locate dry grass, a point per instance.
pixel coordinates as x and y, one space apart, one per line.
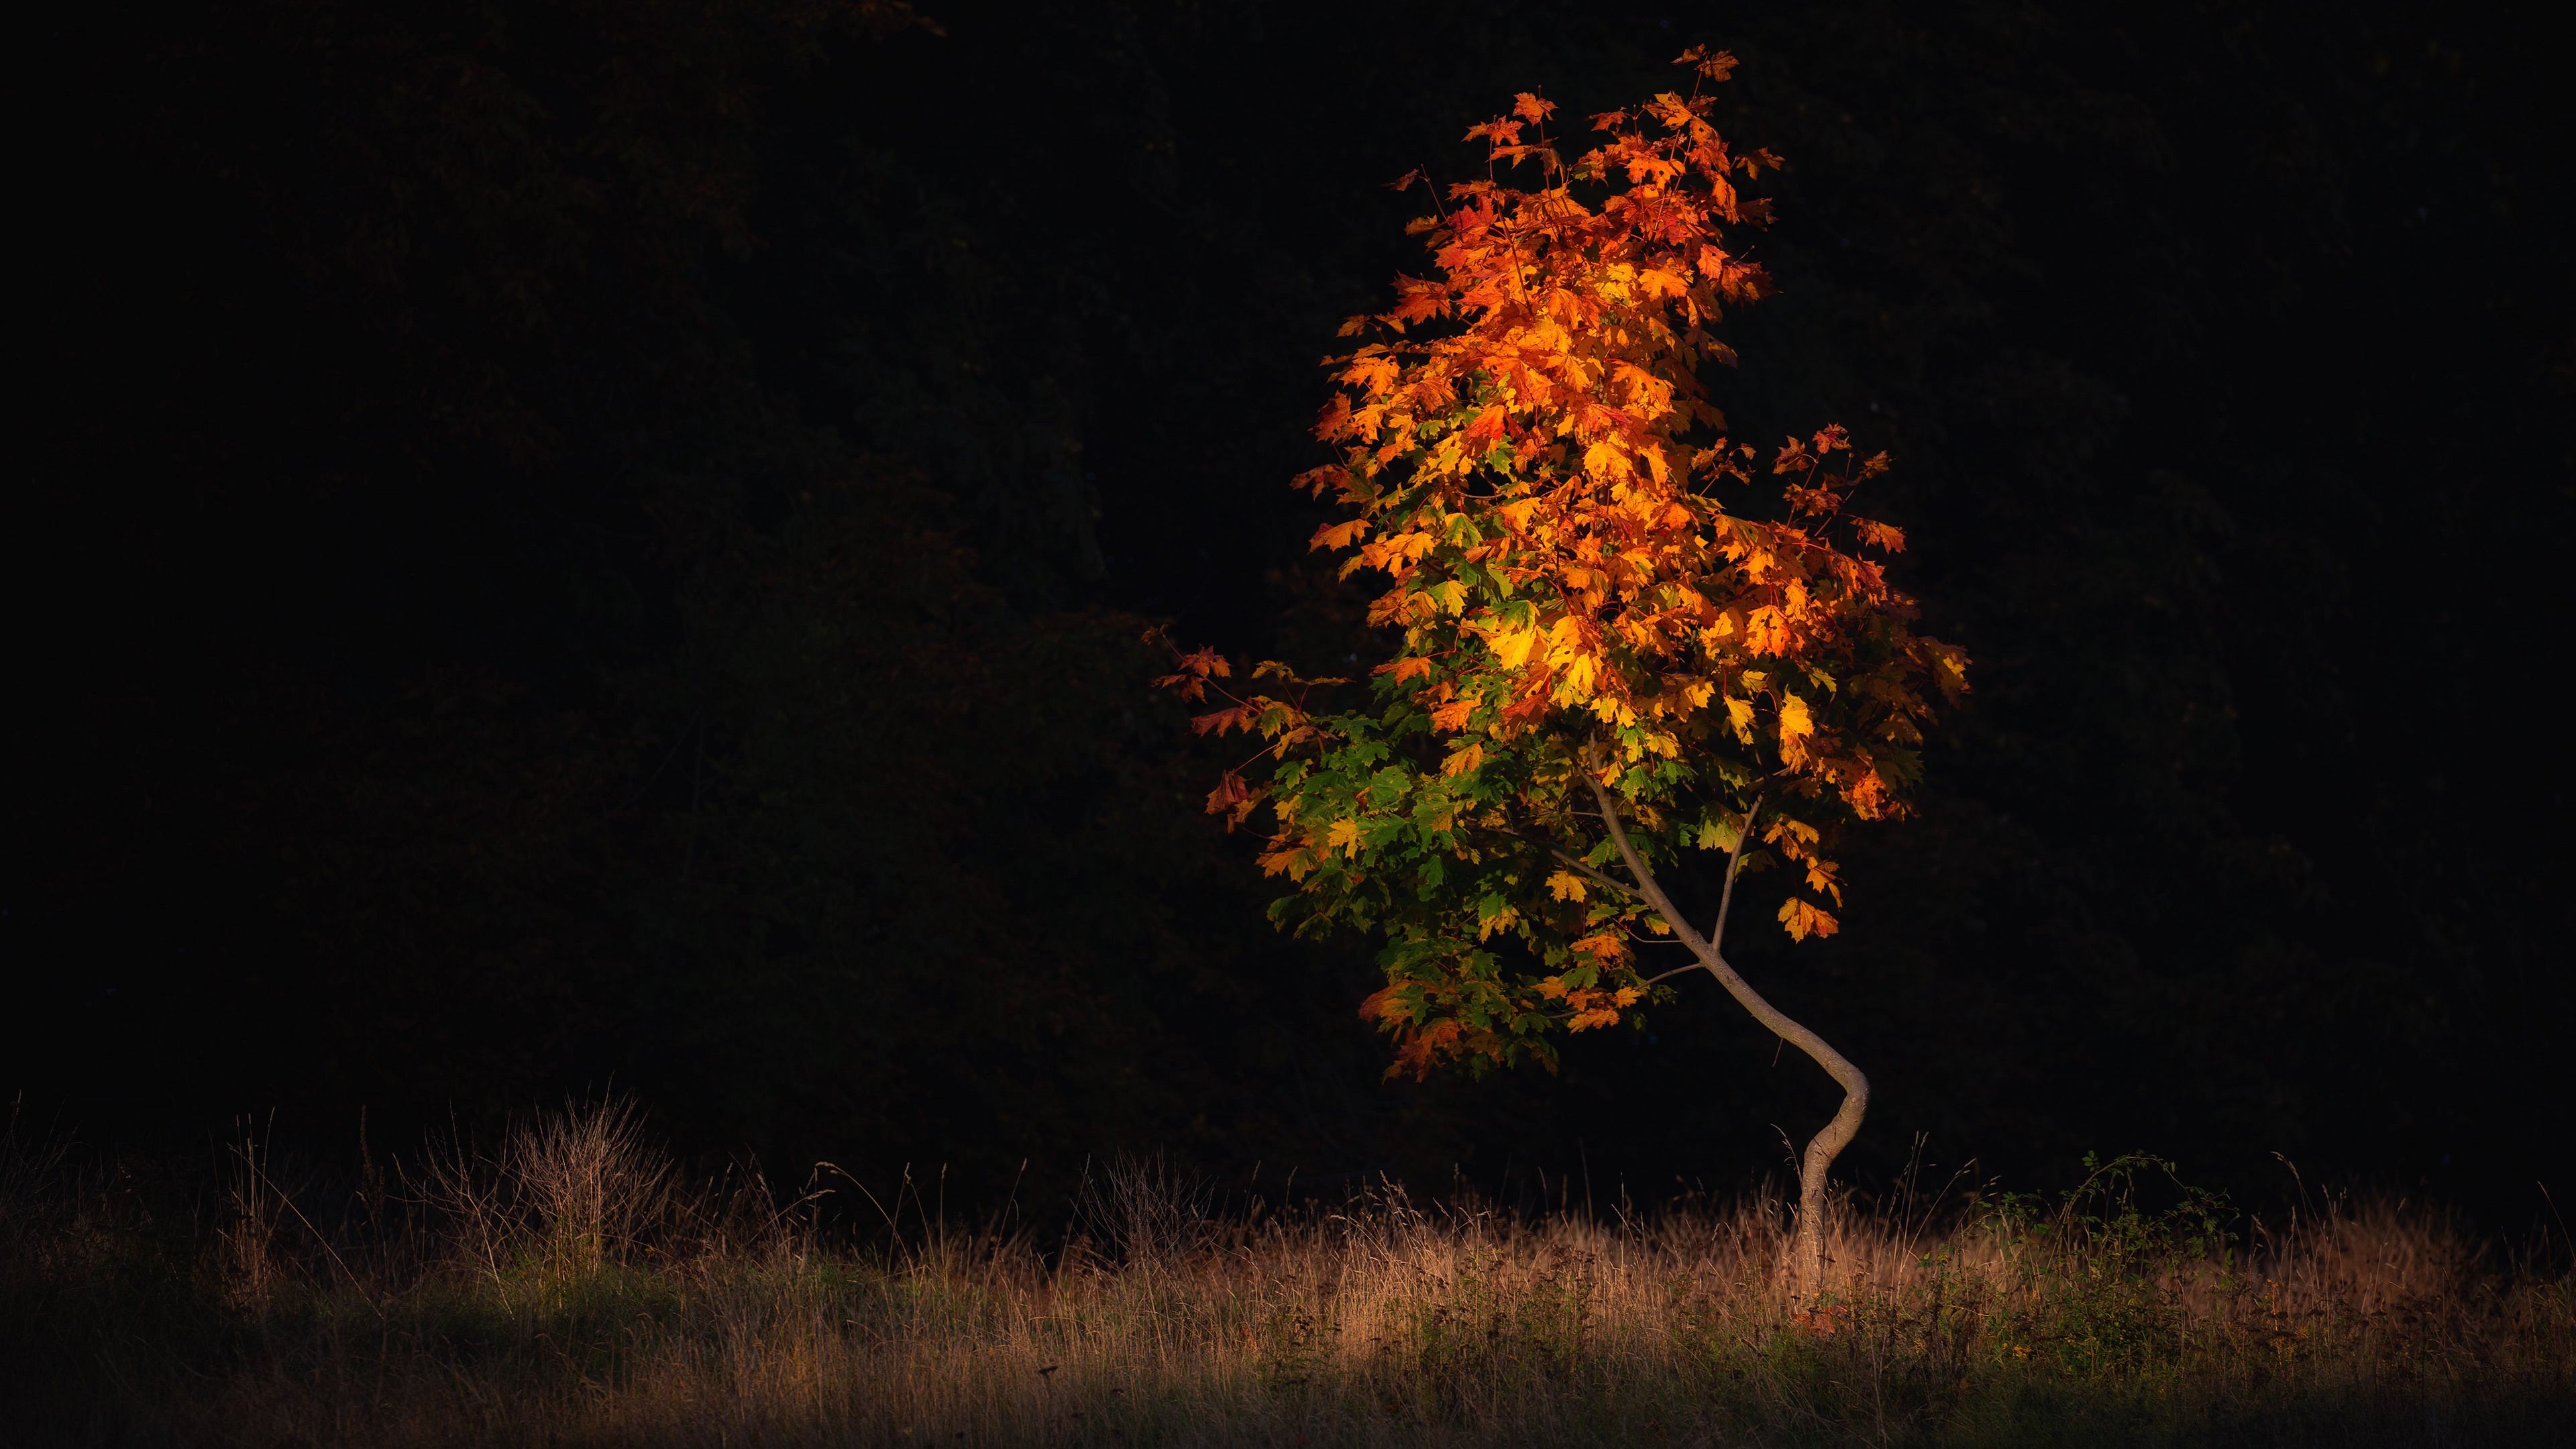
567 1290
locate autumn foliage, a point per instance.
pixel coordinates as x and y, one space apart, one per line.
1589 591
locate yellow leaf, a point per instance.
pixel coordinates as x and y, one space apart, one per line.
1794 720
1345 835
1463 759
1513 649
1565 885
1576 682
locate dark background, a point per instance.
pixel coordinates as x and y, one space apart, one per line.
601 544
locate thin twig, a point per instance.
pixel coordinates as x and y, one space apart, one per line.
1734 859
1593 874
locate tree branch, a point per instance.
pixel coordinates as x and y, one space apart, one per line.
1838 1133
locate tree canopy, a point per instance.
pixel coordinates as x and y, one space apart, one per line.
1574 603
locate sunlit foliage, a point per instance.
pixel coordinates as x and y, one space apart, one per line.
1587 588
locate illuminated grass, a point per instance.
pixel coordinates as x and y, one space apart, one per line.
564 1292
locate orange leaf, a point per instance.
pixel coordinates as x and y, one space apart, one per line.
1603 946
1241 717
1382 1007
1338 535
1804 920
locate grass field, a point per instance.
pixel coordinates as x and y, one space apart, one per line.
567 1288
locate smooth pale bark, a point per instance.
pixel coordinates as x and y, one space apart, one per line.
1807 1251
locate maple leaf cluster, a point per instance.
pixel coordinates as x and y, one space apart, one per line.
1532 462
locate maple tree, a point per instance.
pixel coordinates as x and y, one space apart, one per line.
1603 666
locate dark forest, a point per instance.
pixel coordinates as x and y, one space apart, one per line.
583 548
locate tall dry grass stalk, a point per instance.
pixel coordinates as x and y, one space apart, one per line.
567 1289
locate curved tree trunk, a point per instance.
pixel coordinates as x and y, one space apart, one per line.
1807 1251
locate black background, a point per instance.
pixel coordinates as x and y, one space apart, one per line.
601 545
